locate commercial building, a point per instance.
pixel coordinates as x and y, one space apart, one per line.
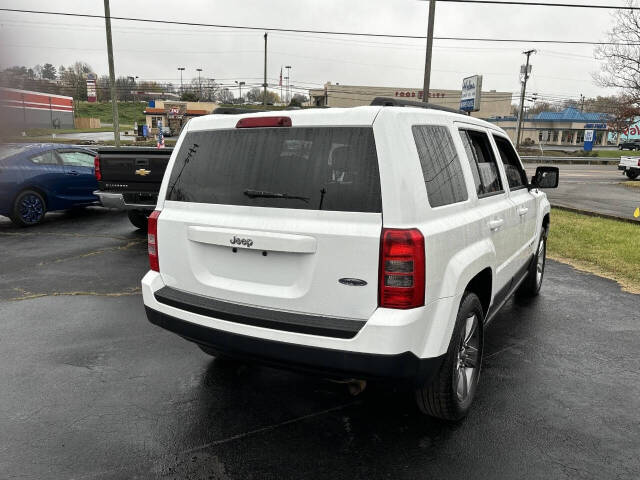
557 128
493 104
21 109
175 114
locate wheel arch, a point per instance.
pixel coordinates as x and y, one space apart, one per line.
481 285
42 192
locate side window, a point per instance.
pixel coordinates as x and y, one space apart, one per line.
486 174
516 176
76 159
46 158
441 168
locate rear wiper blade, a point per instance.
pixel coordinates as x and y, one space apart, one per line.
263 194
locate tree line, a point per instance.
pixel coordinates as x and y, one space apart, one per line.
72 81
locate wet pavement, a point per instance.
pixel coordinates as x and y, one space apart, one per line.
594 188
89 389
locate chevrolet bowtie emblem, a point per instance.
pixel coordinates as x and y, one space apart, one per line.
143 172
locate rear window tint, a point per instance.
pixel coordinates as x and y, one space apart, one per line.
441 167
320 168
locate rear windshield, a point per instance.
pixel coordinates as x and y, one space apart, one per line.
7 151
320 168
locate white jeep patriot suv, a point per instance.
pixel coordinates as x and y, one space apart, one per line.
372 242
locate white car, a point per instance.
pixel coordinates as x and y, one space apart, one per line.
371 242
630 167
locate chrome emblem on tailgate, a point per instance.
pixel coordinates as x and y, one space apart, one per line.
143 172
352 282
247 242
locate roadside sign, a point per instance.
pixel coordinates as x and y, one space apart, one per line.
92 95
471 93
588 140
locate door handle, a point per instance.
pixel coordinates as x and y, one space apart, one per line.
523 211
73 172
496 224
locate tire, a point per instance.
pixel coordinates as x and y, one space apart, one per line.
530 287
620 148
28 208
631 175
450 394
138 218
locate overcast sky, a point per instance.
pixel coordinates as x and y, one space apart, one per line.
154 51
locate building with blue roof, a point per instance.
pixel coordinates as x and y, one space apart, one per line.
557 128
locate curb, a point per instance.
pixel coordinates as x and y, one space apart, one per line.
595 214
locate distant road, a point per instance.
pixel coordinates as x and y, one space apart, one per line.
596 188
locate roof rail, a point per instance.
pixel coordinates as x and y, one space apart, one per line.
236 111
400 102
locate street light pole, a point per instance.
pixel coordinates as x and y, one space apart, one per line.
264 85
427 62
288 90
199 82
240 84
181 69
112 75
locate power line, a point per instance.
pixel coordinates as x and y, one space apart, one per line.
542 4
323 32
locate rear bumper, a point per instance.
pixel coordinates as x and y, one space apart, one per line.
116 200
391 344
335 363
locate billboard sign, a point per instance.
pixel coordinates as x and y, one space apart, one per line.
92 95
471 93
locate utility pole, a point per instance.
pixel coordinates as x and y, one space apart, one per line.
581 102
112 75
526 71
199 82
427 62
264 85
288 91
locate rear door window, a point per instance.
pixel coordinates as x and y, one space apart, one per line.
484 167
441 168
516 176
319 168
77 159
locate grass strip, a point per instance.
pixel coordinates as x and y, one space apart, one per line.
606 247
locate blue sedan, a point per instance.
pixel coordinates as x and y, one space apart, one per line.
40 178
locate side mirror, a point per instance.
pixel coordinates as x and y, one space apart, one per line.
545 177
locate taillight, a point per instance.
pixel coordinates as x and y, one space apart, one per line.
152 240
96 164
639 163
401 282
257 122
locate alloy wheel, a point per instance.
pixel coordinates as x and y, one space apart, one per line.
468 359
540 262
31 208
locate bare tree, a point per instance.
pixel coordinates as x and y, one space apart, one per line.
225 96
621 58
622 114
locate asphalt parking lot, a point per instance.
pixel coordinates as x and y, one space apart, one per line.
90 389
595 188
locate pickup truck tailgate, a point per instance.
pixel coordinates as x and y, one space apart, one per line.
129 166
